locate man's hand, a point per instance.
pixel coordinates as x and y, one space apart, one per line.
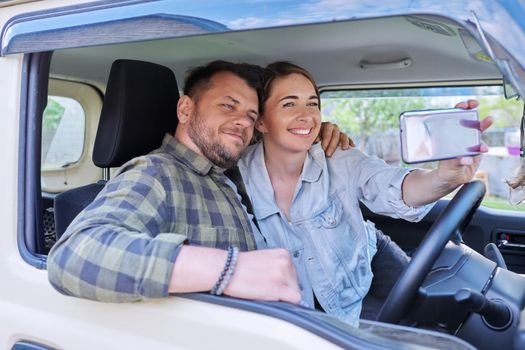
331 137
461 170
267 274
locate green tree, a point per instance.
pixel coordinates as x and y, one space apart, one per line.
50 121
362 117
505 113
52 115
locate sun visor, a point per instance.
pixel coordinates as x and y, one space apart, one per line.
99 24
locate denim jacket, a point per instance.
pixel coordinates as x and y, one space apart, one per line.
331 245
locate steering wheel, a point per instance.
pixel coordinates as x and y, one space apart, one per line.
452 222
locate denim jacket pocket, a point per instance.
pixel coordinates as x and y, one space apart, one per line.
331 217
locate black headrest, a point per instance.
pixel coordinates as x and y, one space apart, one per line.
140 106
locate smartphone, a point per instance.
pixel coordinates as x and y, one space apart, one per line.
438 134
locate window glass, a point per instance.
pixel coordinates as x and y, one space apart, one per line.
371 118
63 132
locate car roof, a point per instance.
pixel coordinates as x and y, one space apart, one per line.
350 52
340 42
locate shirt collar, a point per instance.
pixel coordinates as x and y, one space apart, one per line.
192 160
313 165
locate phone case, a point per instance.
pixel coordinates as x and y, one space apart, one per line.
431 135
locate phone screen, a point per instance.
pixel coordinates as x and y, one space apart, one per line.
439 134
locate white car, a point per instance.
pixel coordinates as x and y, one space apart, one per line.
372 60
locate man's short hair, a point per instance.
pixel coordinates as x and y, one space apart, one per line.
198 79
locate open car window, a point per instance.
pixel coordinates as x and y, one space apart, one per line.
63 132
371 118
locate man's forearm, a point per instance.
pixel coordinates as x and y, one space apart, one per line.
422 187
196 269
267 274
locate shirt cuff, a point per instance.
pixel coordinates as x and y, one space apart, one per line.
157 277
395 198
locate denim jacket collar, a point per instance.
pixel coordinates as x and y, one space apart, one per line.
267 206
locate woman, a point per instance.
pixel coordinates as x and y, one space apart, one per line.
309 204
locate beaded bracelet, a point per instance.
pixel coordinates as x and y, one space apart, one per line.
227 271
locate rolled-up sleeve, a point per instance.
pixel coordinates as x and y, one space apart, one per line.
381 190
118 249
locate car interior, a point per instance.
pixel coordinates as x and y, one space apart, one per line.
465 287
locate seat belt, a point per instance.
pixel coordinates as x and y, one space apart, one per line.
234 174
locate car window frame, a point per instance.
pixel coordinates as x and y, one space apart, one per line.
33 99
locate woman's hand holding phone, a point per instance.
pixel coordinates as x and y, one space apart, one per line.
449 175
461 170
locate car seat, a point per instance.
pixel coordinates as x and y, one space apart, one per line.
139 107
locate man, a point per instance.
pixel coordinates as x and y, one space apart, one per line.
163 223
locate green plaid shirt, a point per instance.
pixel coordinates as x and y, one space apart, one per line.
123 246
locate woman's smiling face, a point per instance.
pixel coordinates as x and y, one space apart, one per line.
292 117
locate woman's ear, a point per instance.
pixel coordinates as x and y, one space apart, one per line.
260 126
185 108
